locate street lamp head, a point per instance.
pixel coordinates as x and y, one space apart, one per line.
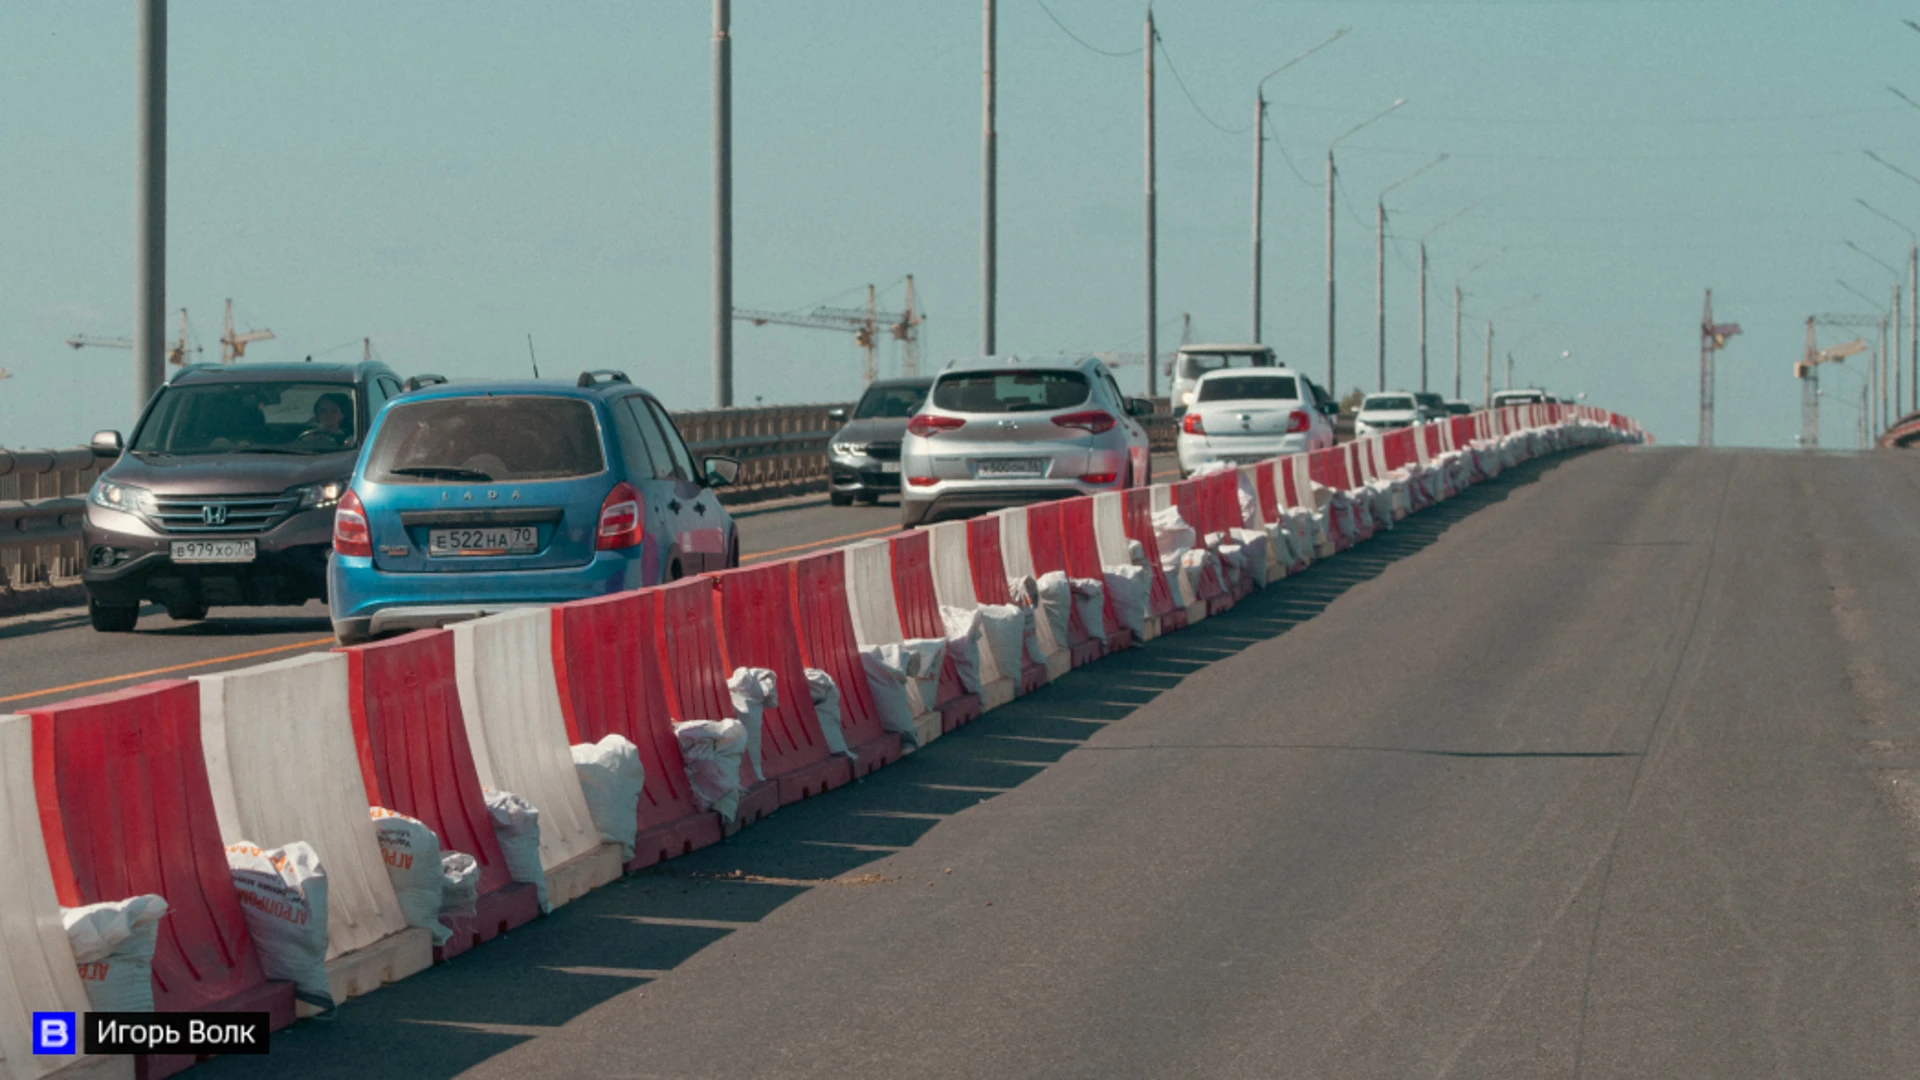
1397 102
1260 89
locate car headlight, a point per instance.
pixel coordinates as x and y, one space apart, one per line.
122 497
848 449
323 496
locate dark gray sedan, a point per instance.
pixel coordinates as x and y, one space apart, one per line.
864 458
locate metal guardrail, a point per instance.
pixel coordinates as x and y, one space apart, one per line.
782 451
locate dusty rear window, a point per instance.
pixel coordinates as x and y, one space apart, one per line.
1010 391
1249 388
486 440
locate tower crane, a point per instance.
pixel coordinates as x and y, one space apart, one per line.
1807 369
864 323
232 345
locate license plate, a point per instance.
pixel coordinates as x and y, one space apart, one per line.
889 466
1009 467
512 540
213 551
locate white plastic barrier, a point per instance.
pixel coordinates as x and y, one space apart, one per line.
503 665
953 587
37 972
876 622
283 767
1016 552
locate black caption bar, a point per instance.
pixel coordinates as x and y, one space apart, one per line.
176 1033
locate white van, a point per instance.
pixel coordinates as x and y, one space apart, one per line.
1193 361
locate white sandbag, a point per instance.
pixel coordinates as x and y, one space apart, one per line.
825 694
1055 609
113 950
1171 533
712 750
1233 558
459 884
1090 600
283 897
754 690
611 777
1254 543
963 644
1131 589
516 823
1025 592
412 854
1249 502
887 681
921 659
1004 629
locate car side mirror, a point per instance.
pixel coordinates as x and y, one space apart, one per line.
1328 408
837 414
1139 406
720 471
107 444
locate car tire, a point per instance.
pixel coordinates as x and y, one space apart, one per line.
868 498
187 612
840 498
914 513
112 618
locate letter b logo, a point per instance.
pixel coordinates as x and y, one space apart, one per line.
53 1033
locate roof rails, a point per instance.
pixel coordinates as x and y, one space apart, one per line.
415 382
595 378
198 365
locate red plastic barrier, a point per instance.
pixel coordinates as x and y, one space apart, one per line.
688 639
1189 498
1136 515
1400 451
756 617
988 568
1048 548
818 591
910 554
1436 445
1083 561
610 684
1462 431
1263 489
125 809
415 760
1221 496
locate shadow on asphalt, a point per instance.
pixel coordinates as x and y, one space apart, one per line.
619 937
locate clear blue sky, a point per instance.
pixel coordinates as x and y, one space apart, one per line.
449 178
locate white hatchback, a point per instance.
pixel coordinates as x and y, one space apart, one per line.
1381 413
1244 415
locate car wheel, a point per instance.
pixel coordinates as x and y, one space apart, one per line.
674 572
733 552
187 612
840 498
112 618
868 498
913 513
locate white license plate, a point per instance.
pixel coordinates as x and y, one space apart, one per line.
1010 467
889 466
512 540
213 551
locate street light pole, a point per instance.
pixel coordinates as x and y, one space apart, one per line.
1259 161
1487 379
722 206
1458 282
149 201
1380 269
1423 305
1332 387
1153 356
989 183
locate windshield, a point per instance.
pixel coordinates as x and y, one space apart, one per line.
1518 397
1250 388
1386 403
1194 365
252 417
890 402
1010 391
486 439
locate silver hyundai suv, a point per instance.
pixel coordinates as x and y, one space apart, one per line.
1000 431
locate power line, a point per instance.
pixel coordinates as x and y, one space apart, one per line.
1282 147
1188 94
1083 42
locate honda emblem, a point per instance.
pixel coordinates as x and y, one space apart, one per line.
214 513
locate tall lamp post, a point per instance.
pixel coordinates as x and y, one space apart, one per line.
1880 368
1332 386
1913 312
1876 367
1487 380
1259 156
1458 282
1380 269
149 201
1423 300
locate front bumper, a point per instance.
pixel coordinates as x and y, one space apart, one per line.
863 475
367 601
128 561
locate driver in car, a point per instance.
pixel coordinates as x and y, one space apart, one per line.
329 420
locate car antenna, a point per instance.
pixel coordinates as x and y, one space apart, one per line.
534 359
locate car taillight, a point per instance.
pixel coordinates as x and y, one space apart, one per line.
1093 420
925 424
922 481
1191 424
350 533
620 521
1098 478
1298 420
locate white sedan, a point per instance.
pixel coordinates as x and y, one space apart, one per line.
1244 415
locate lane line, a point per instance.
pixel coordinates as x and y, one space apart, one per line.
166 670
745 559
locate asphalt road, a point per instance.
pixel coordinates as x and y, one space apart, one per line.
53 655
1599 770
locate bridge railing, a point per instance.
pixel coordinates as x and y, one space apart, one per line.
42 498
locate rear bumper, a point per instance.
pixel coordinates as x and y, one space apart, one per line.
964 502
370 601
1198 451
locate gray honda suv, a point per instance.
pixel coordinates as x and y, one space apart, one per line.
224 494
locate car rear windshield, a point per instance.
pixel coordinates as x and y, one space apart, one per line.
1381 404
890 402
1250 388
486 439
1010 391
252 418
1194 365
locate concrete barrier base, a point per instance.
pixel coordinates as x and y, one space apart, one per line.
1033 677
1150 628
960 710
1197 612
1058 663
876 753
927 726
583 873
371 967
674 839
996 693
496 913
755 803
815 779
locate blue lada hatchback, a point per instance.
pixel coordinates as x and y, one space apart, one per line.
475 498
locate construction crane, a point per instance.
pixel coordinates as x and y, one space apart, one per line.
1713 338
1807 369
232 345
864 323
